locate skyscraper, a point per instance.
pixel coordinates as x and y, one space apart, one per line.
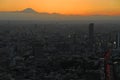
91 36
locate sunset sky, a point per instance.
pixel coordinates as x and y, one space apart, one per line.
68 7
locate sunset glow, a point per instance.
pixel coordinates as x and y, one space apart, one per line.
68 7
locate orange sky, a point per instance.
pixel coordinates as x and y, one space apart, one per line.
83 7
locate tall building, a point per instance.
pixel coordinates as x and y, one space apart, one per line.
91 36
118 40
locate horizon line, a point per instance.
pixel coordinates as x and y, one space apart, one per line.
63 14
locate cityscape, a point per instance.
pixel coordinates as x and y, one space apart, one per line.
54 52
59 39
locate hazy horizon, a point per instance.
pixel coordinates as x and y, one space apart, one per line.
30 14
67 7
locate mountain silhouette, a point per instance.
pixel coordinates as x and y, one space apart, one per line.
29 10
31 14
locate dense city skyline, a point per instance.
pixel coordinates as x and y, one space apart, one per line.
67 7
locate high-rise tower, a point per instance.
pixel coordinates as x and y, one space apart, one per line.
91 36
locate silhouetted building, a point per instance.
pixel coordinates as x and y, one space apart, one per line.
118 40
91 36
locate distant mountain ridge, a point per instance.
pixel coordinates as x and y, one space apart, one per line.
26 10
31 14
29 10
